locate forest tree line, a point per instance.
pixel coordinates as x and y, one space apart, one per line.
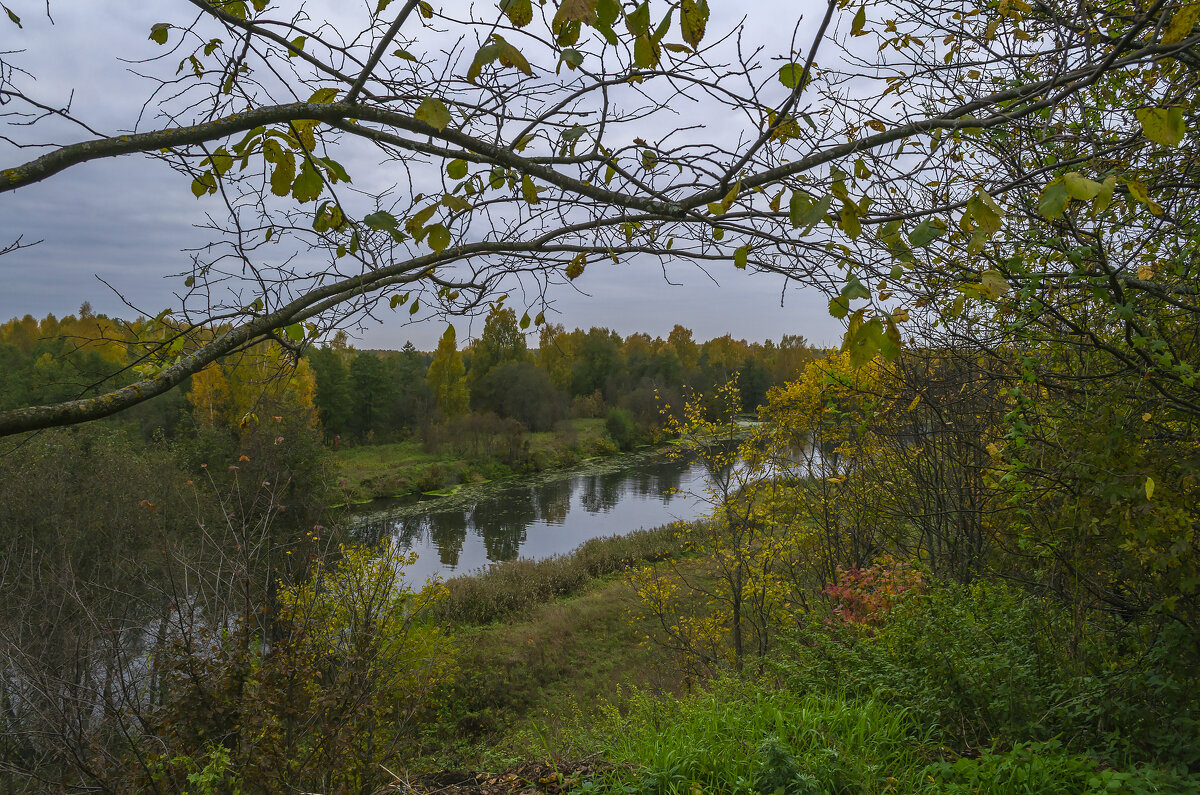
365 396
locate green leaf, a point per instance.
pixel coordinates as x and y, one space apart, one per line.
854 289
848 221
646 52
519 12
205 183
638 21
524 321
16 20
576 265
798 206
439 237
985 212
568 34
1182 23
1138 191
487 53
693 20
994 285
297 46
1105 195
381 221
528 190
816 214
510 56
607 13
839 307
740 257
455 203
572 58
334 169
323 96
663 27
417 221
1162 125
926 232
433 112
221 161
403 54
790 75
1149 488
284 173
1053 201
860 21
1080 187
308 184
295 332
456 169
720 207
158 32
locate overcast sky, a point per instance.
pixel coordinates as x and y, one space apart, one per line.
128 220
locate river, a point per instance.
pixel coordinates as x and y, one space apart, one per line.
542 516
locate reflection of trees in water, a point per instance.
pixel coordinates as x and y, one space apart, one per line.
448 530
602 492
407 530
503 519
657 477
553 500
502 522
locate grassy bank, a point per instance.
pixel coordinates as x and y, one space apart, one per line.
403 468
533 640
955 692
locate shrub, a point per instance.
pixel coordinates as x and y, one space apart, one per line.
990 664
327 701
982 662
864 596
620 427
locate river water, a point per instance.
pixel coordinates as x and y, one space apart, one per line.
540 517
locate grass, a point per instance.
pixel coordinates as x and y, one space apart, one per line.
404 468
748 737
515 677
387 470
553 664
512 589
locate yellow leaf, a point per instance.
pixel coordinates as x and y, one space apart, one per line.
1182 23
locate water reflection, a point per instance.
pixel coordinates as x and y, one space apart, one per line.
546 518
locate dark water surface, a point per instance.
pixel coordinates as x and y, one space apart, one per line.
542 516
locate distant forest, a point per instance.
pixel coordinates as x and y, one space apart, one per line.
366 396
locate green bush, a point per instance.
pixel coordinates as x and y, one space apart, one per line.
1048 768
621 428
992 666
983 662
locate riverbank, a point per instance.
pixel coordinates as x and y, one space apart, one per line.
405 469
539 644
566 695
